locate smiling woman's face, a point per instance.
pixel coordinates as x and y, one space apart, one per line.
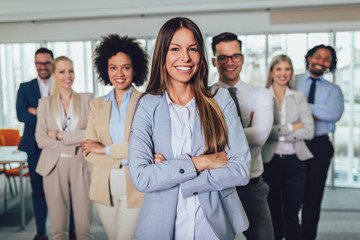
183 58
64 74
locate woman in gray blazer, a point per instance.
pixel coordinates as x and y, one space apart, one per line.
187 150
60 130
285 150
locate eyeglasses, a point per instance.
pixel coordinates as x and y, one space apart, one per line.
237 57
43 63
67 124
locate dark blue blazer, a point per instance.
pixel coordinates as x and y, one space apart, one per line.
28 96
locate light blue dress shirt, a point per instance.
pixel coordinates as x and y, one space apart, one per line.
117 119
328 102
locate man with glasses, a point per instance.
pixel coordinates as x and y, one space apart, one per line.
327 105
27 99
255 110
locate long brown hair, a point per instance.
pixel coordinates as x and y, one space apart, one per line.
211 118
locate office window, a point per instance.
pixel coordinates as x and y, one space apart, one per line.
347 135
17 65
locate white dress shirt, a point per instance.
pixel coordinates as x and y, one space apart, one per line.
190 220
44 87
286 148
257 113
66 121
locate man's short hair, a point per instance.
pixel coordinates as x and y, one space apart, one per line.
45 50
311 52
224 37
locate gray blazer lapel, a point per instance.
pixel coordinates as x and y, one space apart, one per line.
276 112
163 126
197 140
291 109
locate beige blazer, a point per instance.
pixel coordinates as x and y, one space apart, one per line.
98 130
49 118
297 110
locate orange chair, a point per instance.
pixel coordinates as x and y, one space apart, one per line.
2 140
11 136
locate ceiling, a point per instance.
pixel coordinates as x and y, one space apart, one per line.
41 10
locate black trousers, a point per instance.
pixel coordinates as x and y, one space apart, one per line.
316 173
285 175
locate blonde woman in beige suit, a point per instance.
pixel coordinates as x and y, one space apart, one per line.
120 62
285 151
60 130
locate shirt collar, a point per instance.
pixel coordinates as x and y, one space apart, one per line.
308 75
288 91
40 81
191 103
238 85
111 95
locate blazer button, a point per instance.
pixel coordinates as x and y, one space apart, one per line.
182 171
195 193
279 129
294 138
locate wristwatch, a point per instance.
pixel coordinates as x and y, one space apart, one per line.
57 136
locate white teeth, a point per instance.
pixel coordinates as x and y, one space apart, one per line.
183 68
120 81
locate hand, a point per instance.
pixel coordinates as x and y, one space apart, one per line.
158 158
89 146
297 125
32 110
210 161
51 134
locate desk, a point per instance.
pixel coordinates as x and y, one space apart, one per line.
12 155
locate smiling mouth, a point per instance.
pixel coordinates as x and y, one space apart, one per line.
183 68
120 80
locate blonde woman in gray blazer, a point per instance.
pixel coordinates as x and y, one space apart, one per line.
285 149
60 130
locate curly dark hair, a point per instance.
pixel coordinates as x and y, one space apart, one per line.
311 52
109 46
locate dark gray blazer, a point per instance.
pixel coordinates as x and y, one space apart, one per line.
150 134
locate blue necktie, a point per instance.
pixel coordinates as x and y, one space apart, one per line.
311 96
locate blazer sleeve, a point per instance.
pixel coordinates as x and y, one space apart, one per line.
279 130
91 134
147 176
41 136
307 132
21 107
236 172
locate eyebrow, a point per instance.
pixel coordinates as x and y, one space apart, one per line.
191 45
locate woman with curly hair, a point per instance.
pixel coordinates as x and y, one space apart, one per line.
122 63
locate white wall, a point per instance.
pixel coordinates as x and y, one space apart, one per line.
143 27
79 20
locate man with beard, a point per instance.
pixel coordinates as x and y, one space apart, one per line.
255 110
28 96
327 104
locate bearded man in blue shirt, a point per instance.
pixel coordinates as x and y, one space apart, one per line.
327 104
